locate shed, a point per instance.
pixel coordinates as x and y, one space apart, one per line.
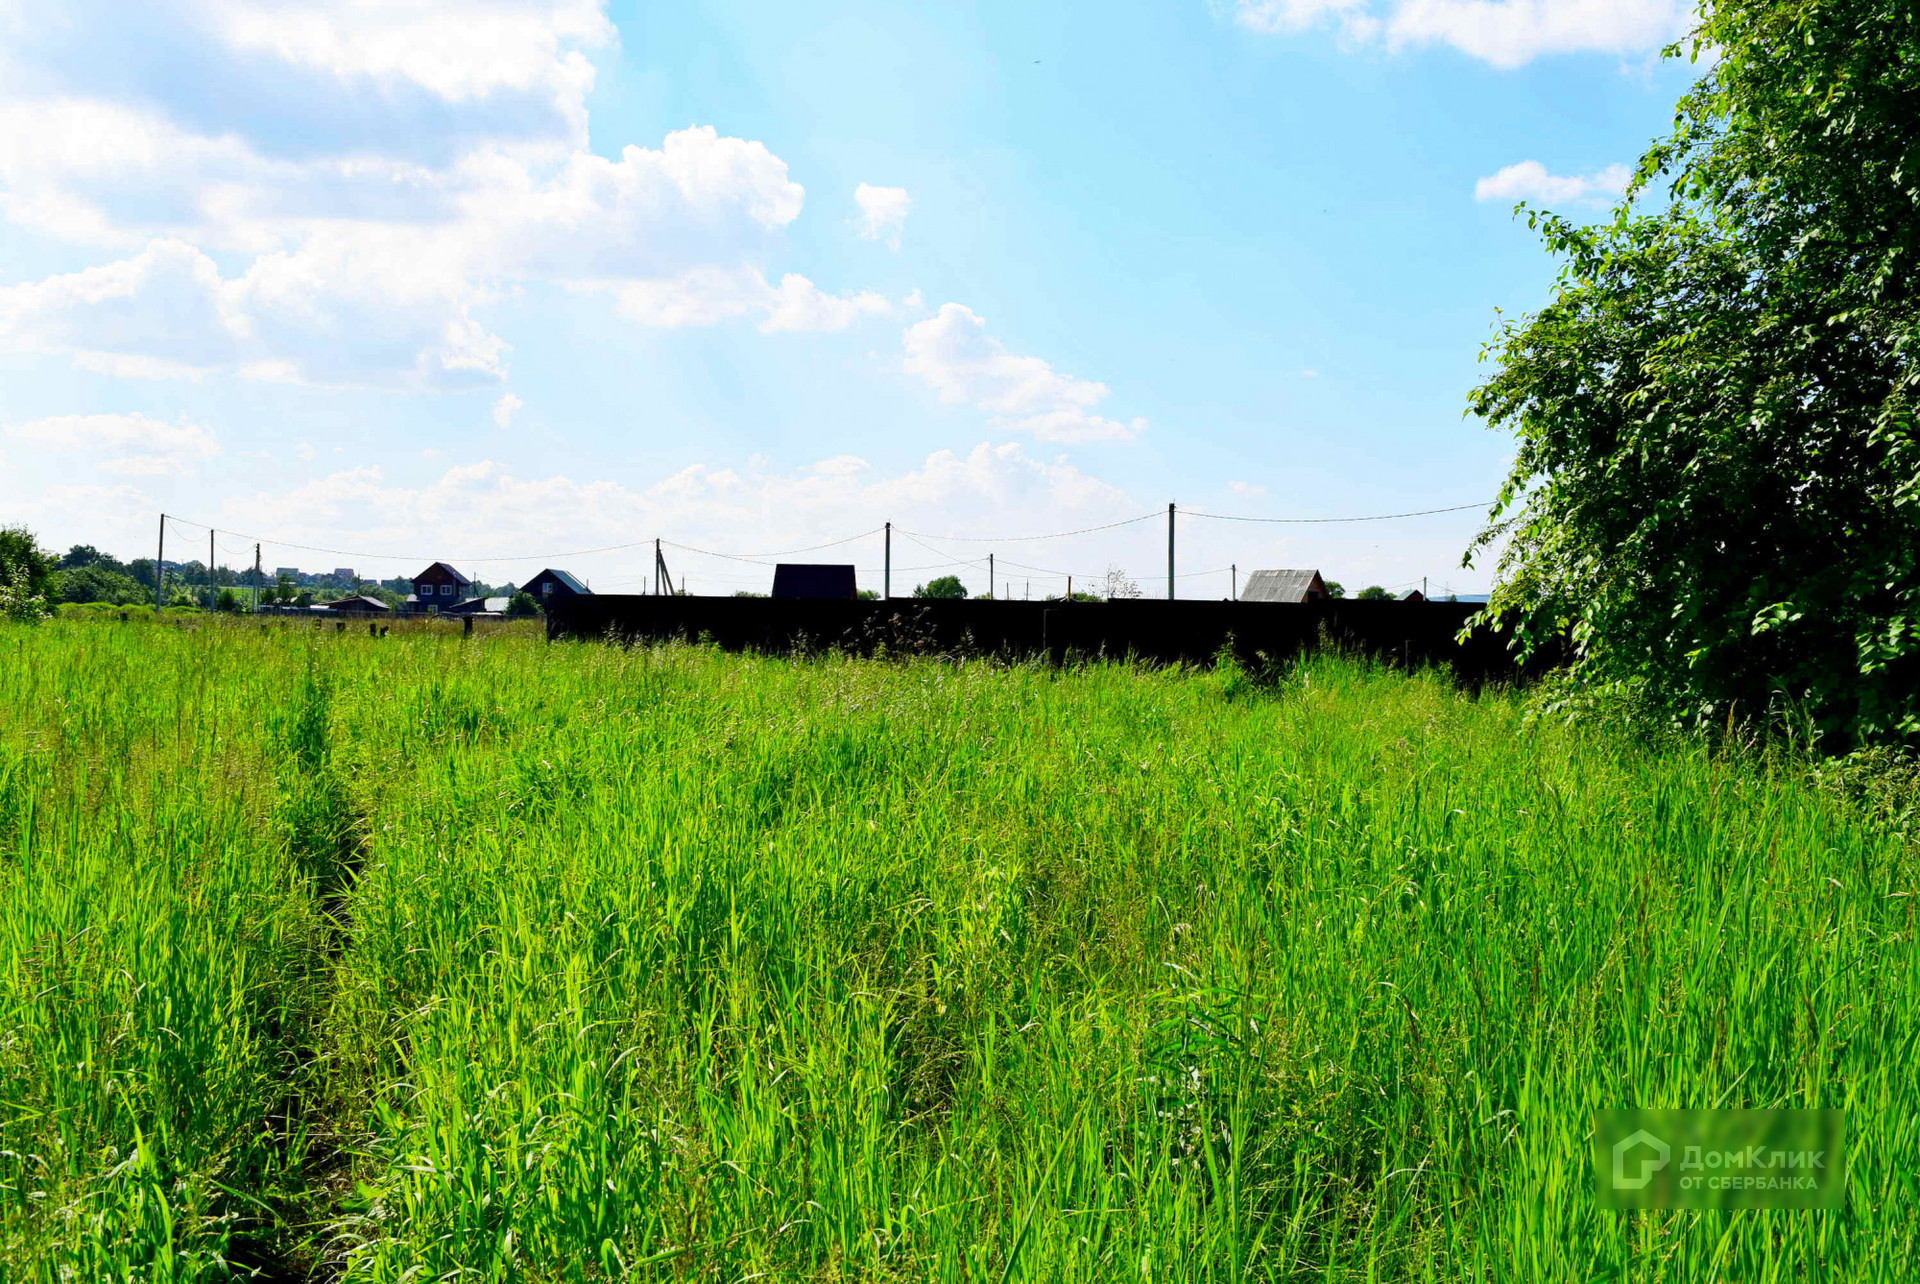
478 606
359 602
814 580
1284 586
550 584
1413 595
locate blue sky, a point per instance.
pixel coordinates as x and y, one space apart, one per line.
511 279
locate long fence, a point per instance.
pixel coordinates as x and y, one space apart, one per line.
1411 633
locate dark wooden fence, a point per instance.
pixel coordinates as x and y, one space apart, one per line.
1411 633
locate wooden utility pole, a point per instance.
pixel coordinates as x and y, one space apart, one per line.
1235 571
989 574
213 590
886 574
160 569
1169 552
256 577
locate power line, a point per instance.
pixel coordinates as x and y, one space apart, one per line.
1016 539
1315 521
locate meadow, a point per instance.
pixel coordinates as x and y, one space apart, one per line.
328 957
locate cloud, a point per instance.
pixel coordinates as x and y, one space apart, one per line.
1245 490
955 355
1505 33
305 240
503 409
1530 181
130 445
883 212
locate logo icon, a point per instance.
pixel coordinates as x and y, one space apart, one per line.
1653 1157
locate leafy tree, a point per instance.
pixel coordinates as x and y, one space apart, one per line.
865 595
22 559
94 582
1374 593
522 605
1716 491
284 591
1334 588
946 587
230 602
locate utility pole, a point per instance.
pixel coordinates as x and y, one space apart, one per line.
256 578
989 574
1169 552
886 574
1069 588
1235 571
1423 588
160 569
213 591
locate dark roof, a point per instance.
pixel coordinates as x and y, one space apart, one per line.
442 566
1283 586
1413 595
812 580
358 603
565 578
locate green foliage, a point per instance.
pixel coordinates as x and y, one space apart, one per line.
1374 593
25 568
95 582
344 959
1334 588
522 605
946 587
230 602
864 595
1716 483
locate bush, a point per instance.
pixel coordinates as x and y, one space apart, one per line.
946 588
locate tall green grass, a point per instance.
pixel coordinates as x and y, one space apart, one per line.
516 962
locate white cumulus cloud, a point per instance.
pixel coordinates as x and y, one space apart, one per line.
503 409
1505 33
402 169
130 444
1529 181
883 212
955 355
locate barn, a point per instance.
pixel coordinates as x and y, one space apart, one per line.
1284 586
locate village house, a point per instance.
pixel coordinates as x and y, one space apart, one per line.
436 589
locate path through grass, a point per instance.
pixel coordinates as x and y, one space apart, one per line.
416 958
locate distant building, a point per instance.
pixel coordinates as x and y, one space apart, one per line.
345 575
816 581
359 602
291 572
478 606
550 584
437 588
1284 586
1413 595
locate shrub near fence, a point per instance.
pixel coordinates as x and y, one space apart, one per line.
1193 632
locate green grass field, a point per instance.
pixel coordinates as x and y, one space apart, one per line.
424 958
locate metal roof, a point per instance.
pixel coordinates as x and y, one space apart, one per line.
1282 586
448 569
563 576
361 602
